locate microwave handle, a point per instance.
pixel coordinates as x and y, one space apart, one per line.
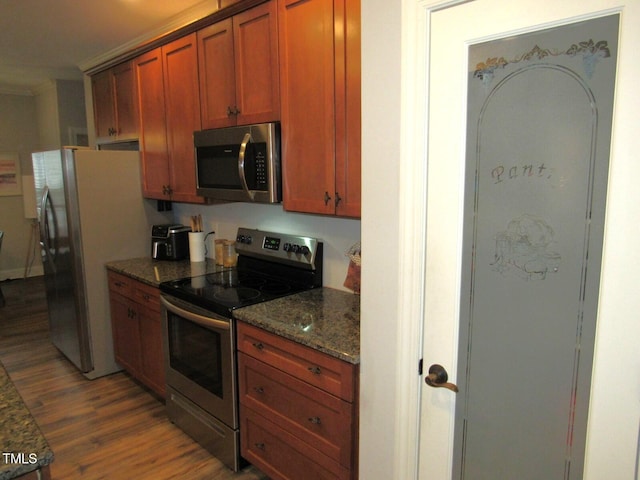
243 178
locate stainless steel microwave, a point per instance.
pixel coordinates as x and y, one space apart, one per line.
240 164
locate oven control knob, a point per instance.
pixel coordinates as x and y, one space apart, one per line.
295 248
304 250
286 247
244 239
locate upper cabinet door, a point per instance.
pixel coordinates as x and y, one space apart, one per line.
307 81
126 100
320 105
255 40
217 75
238 60
115 103
348 108
103 105
182 113
153 129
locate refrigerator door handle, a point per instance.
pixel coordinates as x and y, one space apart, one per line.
45 235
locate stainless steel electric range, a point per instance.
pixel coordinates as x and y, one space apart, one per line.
199 332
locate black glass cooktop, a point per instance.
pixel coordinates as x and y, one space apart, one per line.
222 292
270 265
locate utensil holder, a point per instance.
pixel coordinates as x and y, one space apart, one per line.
196 246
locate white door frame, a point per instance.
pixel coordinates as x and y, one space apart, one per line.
614 417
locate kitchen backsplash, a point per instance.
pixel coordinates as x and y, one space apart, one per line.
338 234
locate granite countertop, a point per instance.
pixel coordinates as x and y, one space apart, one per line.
154 272
325 319
19 434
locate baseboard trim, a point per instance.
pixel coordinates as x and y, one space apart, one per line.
16 273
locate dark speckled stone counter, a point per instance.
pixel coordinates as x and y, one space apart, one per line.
19 434
154 272
324 318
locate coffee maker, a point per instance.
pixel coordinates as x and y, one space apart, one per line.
170 242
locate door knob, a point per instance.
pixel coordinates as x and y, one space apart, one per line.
438 378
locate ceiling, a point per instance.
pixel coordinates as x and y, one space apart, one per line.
41 40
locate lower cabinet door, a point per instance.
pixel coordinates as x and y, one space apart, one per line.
152 356
282 455
126 333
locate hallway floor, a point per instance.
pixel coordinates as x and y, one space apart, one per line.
108 428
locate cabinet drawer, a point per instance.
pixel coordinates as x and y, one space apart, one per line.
147 296
280 454
121 284
319 369
313 415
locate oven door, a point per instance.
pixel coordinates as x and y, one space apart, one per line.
200 358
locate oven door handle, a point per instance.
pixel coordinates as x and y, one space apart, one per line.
203 320
241 158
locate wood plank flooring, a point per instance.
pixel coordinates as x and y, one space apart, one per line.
108 428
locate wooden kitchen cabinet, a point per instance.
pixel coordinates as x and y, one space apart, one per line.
298 408
227 3
169 110
319 47
238 61
137 333
115 104
126 332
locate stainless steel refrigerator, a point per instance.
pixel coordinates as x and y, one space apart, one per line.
90 211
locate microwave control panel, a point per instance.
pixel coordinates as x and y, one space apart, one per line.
261 166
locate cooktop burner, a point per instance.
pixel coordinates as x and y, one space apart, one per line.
236 295
268 268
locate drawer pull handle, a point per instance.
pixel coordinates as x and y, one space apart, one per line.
258 345
315 370
146 297
315 420
258 389
119 284
259 446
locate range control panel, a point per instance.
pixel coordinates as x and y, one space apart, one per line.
297 250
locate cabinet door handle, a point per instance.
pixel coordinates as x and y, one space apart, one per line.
258 389
258 345
315 420
315 370
338 199
327 198
259 445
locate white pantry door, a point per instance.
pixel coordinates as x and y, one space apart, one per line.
450 28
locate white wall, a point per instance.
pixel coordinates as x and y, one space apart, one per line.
337 234
48 123
18 134
380 234
60 105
